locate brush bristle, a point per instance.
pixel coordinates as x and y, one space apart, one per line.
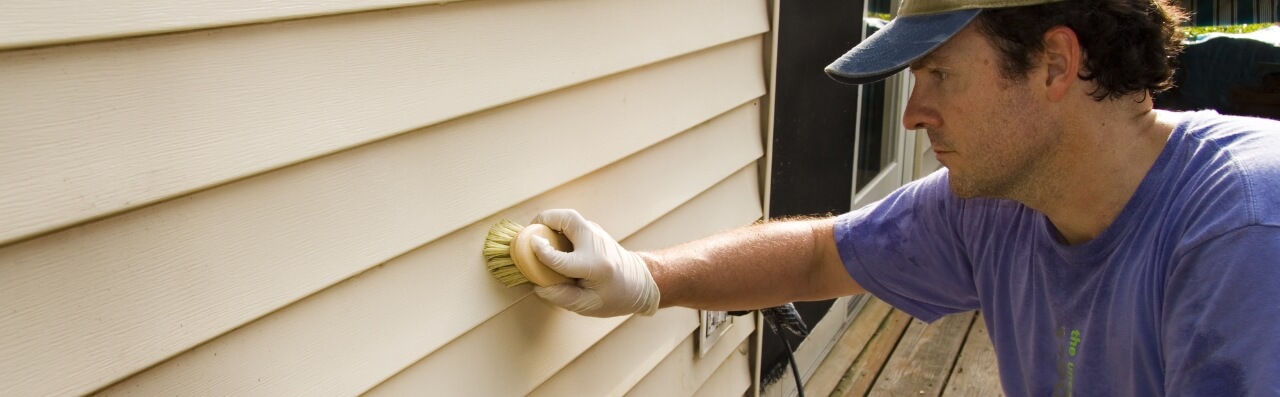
497 253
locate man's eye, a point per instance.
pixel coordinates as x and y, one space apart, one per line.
940 75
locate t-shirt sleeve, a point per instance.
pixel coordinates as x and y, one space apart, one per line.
1222 317
907 250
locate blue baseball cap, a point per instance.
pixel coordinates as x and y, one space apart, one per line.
920 27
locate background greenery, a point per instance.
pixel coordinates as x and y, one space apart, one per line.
1193 31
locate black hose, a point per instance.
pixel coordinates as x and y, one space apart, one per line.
791 356
786 317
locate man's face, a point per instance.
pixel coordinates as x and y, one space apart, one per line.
989 131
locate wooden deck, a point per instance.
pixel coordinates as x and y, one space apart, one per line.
885 352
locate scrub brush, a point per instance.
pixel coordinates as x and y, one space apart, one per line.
508 254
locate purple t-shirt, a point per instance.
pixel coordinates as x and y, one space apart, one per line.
1179 296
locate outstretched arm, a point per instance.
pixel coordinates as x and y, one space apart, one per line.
753 267
749 268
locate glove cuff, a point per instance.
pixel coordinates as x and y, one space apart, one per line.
650 297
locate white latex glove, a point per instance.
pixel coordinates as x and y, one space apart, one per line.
611 280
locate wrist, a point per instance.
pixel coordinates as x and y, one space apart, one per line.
660 277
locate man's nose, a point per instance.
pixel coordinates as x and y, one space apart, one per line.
919 114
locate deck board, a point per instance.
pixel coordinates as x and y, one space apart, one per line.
866 368
884 352
833 367
924 357
975 373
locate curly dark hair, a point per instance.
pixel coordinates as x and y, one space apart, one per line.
1130 46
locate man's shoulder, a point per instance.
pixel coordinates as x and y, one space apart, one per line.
1239 152
1223 175
1247 142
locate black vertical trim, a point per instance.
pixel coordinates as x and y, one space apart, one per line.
814 122
814 116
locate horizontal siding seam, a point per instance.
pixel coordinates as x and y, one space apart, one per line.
426 355
750 168
140 202
87 38
740 109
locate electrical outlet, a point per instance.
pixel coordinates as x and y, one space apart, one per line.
711 327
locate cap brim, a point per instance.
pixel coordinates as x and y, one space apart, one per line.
902 41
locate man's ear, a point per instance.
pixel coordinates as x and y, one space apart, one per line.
1062 58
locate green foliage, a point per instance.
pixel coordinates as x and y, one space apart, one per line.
880 15
1193 31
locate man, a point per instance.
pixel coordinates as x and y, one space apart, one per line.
1113 249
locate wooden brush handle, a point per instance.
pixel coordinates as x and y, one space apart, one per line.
528 263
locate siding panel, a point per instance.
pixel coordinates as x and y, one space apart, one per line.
731 379
642 342
503 357
95 303
116 125
367 328
25 23
681 373
533 340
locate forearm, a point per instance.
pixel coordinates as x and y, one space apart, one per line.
759 266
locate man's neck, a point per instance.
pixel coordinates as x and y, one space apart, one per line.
1105 155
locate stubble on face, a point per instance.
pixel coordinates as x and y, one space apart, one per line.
1007 154
991 131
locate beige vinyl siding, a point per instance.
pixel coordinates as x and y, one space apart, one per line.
528 343
399 302
116 125
682 372
642 342
731 379
296 208
332 218
26 23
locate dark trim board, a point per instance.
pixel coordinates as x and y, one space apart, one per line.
814 118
